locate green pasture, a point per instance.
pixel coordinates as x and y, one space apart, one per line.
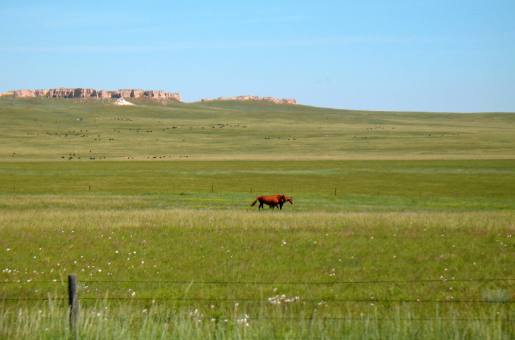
401 249
402 224
315 185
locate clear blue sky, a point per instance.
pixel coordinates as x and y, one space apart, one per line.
450 55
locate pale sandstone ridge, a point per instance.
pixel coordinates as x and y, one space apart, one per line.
96 94
274 100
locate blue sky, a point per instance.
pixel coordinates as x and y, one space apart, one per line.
395 55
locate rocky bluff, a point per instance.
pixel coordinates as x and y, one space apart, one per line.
254 98
98 94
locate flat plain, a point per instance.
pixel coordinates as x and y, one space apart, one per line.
401 226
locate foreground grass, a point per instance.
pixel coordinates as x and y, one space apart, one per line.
146 274
191 245
105 321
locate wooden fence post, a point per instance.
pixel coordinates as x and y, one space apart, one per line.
73 301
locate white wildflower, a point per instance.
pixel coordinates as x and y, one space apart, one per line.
243 320
196 315
282 299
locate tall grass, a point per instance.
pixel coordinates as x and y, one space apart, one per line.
104 321
112 250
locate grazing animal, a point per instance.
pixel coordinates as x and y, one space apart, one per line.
272 201
286 199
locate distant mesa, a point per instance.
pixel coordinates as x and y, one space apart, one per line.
6 94
274 100
96 94
158 95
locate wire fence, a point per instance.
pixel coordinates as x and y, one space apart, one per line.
74 287
335 300
245 300
181 282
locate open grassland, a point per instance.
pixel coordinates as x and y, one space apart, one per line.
402 224
401 249
315 186
43 129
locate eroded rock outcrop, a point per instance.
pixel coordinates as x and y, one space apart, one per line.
102 94
274 100
24 93
97 94
61 93
131 93
162 95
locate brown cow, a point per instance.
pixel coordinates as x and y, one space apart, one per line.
272 201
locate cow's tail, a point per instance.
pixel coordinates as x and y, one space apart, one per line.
254 203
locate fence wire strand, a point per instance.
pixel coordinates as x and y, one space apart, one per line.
285 283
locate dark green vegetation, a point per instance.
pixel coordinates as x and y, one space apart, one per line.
413 248
43 129
315 185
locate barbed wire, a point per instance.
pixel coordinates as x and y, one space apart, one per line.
300 282
341 318
285 283
378 319
253 300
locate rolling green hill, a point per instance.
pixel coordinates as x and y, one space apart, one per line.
45 129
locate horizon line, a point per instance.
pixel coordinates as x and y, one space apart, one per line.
216 99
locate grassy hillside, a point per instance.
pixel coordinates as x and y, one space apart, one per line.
43 129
